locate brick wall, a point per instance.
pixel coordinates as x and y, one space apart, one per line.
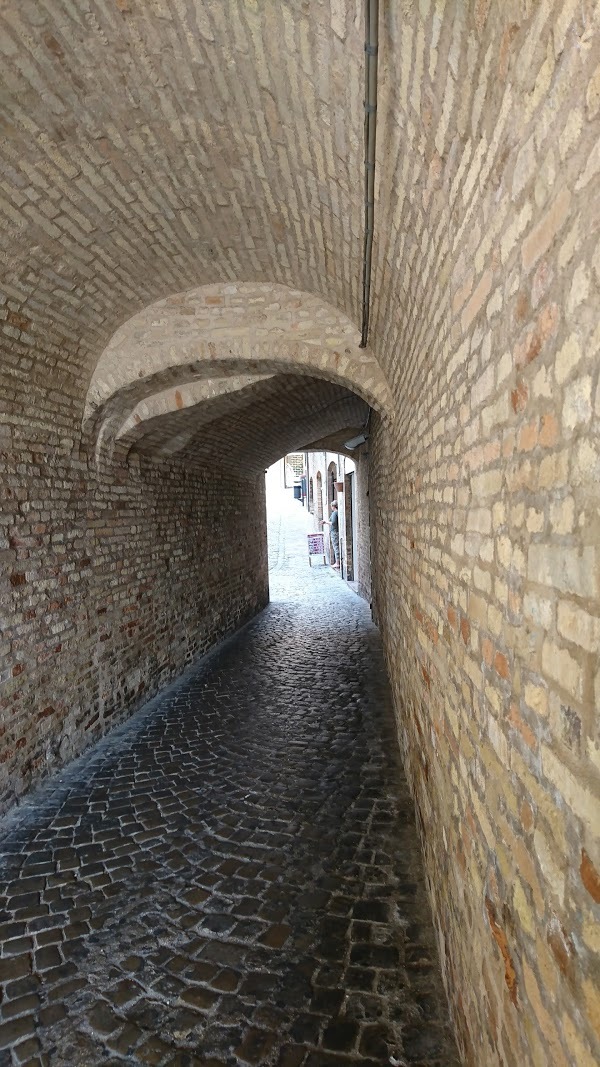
108 588
363 548
486 493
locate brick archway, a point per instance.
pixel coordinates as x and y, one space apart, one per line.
219 339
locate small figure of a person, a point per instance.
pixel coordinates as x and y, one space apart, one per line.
334 533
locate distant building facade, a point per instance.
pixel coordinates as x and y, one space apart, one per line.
318 478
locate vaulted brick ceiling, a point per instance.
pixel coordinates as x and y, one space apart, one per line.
157 146
249 428
201 351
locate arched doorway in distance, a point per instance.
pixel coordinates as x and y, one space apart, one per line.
331 485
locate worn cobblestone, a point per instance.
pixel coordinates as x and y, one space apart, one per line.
233 877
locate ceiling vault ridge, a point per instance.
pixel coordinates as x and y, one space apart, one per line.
230 331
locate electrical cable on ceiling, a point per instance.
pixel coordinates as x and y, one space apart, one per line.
371 50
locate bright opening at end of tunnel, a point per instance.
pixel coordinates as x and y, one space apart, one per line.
313 504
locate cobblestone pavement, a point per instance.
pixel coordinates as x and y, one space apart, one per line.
233 876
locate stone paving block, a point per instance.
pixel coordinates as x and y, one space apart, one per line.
234 876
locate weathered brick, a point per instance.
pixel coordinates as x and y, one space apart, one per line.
567 358
590 876
542 235
577 407
565 568
559 665
578 795
536 697
578 626
487 484
477 301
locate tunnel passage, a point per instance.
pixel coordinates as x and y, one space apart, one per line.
151 150
167 547
233 877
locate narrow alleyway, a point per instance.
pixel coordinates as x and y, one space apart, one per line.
232 877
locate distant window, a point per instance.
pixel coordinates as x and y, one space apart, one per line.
294 468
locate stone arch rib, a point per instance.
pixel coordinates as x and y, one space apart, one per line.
226 331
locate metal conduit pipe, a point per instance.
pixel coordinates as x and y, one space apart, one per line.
371 48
